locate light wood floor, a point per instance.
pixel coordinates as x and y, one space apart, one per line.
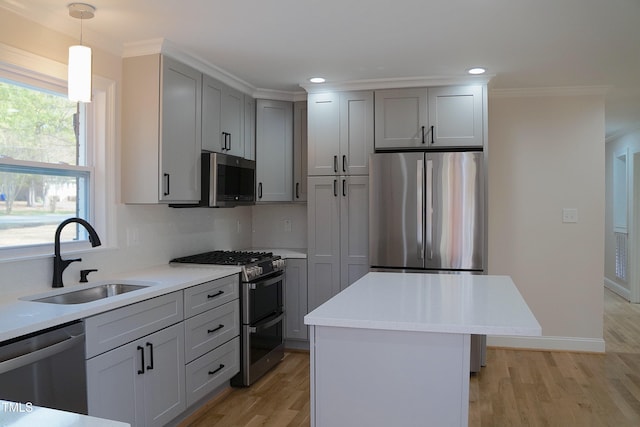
516 388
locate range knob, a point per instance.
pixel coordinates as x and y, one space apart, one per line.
252 272
278 263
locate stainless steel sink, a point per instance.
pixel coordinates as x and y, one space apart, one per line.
90 294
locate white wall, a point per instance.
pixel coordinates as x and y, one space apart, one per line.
546 153
270 230
163 232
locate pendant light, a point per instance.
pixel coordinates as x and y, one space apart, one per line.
79 77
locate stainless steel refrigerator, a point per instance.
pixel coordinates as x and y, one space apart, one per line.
427 211
427 214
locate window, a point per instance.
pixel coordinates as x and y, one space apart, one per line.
44 176
53 157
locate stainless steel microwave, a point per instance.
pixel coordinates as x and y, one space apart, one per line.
227 181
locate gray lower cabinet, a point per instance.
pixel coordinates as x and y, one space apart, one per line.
338 234
212 342
148 361
295 299
124 383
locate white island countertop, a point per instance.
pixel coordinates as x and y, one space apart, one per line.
445 303
13 414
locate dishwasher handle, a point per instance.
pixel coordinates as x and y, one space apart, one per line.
40 354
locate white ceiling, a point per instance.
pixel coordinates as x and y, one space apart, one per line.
279 44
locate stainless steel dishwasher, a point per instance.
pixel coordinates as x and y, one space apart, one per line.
46 368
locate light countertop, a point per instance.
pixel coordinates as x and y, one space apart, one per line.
445 303
20 317
20 414
284 252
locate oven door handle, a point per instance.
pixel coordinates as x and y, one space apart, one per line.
267 282
269 323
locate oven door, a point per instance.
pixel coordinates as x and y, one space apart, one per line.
262 299
264 345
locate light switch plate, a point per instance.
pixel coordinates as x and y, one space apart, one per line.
570 215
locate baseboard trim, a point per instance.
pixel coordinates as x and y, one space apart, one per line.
617 289
590 345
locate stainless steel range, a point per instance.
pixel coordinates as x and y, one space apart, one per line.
261 307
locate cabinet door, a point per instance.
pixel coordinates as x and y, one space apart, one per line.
356 132
295 299
300 151
181 136
141 383
323 207
212 138
455 114
274 151
164 385
354 229
324 133
401 118
249 128
233 121
115 390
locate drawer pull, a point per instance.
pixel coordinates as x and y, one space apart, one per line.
210 331
215 371
217 294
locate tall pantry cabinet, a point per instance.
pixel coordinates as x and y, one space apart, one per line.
340 139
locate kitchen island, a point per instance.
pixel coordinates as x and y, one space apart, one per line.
394 348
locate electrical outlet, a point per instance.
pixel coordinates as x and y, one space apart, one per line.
287 225
570 215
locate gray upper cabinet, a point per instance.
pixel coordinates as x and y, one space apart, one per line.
401 118
212 139
223 118
323 123
456 115
421 118
274 151
249 128
340 133
161 128
300 151
233 121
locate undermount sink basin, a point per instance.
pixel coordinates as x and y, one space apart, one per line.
90 294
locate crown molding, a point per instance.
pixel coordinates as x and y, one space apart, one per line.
280 95
397 83
549 91
166 47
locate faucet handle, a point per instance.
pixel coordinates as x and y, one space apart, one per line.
85 273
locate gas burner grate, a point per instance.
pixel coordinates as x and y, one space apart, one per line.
225 258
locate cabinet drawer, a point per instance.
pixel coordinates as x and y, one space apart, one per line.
212 370
206 296
117 327
208 330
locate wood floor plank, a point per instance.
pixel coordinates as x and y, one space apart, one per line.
516 388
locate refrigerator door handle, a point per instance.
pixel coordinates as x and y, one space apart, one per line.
429 210
420 206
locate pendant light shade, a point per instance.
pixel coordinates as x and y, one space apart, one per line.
79 77
79 68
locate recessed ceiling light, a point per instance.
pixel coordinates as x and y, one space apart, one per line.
476 70
316 80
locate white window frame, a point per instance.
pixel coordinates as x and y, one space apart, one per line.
100 128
